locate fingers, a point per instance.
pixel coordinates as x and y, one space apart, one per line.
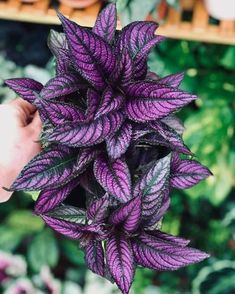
27 107
4 195
36 124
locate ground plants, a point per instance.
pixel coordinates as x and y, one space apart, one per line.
109 127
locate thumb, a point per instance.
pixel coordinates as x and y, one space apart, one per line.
36 124
24 105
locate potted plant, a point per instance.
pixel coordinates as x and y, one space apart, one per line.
221 9
109 127
29 1
141 10
78 3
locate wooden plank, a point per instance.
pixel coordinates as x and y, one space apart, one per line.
2 6
187 4
200 16
41 6
227 28
87 17
66 10
27 8
13 5
173 18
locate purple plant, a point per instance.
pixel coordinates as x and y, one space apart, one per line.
109 126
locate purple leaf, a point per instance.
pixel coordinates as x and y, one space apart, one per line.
25 88
120 262
52 168
49 199
69 213
59 112
152 90
57 42
118 143
141 130
161 254
63 62
153 182
123 73
155 210
140 60
173 80
98 210
174 122
169 138
62 85
77 134
92 56
153 101
175 160
114 177
106 23
93 100
152 76
153 187
73 230
135 36
169 238
94 256
139 37
128 215
188 173
108 102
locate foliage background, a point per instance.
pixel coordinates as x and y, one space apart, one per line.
205 214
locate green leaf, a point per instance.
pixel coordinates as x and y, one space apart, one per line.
34 194
228 60
69 213
135 10
20 220
216 279
10 238
43 250
73 252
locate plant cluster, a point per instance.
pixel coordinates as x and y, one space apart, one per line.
108 126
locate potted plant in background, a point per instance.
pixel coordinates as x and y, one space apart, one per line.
139 10
78 3
109 127
221 9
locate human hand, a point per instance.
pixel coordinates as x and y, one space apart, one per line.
20 127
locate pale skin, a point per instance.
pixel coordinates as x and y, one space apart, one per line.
20 127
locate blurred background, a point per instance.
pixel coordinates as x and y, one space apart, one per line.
201 42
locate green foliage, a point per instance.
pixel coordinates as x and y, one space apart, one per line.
216 279
43 250
210 123
143 278
132 10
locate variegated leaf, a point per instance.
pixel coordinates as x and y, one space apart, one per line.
77 134
25 88
114 177
106 23
128 216
92 56
118 143
120 262
94 256
49 199
161 254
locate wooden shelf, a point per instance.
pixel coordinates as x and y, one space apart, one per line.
197 27
43 12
